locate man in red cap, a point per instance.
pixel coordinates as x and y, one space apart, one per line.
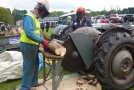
81 20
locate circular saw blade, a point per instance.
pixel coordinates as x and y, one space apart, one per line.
69 63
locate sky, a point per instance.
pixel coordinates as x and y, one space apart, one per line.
68 5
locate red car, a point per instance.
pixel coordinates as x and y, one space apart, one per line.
113 18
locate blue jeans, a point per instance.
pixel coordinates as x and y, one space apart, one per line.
30 65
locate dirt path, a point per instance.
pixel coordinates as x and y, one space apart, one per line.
67 84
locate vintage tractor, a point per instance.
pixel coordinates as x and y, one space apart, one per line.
110 55
58 31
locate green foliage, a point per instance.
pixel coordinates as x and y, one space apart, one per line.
72 11
56 13
88 10
18 14
105 12
132 88
6 16
9 10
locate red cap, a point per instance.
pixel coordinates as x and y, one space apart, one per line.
39 3
80 9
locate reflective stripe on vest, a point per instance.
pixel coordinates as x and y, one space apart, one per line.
37 31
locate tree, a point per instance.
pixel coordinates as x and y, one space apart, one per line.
72 11
6 16
95 13
56 13
9 10
18 14
89 10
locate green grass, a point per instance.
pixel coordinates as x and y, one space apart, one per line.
48 34
132 88
10 85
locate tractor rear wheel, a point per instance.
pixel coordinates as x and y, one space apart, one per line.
114 62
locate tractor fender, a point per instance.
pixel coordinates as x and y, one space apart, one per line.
109 32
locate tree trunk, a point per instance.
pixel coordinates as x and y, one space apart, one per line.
57 48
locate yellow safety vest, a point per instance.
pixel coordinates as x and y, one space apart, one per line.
37 31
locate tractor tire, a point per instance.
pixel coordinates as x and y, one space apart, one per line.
114 62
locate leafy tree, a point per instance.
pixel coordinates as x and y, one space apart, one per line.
9 10
56 13
18 14
95 13
72 11
6 16
89 10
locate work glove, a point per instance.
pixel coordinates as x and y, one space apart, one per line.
45 44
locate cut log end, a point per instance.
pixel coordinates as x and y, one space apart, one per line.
91 77
62 51
58 49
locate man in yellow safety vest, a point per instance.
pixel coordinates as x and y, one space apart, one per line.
31 37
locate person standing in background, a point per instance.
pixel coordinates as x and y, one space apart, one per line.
47 26
67 21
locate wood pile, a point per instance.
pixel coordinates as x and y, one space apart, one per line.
9 33
57 48
2 34
89 79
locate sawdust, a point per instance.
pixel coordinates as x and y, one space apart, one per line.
68 84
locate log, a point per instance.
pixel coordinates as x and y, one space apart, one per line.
62 51
91 77
84 77
58 49
10 32
95 82
98 86
2 34
79 82
54 48
90 82
14 32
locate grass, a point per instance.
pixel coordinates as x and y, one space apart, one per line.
48 34
10 85
132 88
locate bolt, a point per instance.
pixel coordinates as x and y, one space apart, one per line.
75 54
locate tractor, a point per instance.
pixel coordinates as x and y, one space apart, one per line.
110 55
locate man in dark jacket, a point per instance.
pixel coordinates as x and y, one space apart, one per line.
81 20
